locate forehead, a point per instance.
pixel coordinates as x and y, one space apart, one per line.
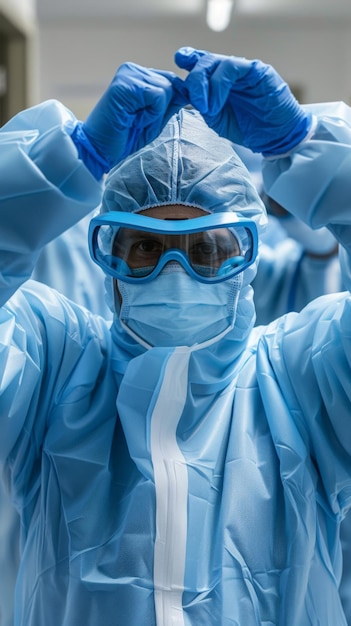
174 212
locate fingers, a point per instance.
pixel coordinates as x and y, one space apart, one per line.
180 95
200 65
147 93
140 96
211 77
226 78
209 84
187 57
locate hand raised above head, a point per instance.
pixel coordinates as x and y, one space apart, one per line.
244 100
131 113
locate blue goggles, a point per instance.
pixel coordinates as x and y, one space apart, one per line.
135 248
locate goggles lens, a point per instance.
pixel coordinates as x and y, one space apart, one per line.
210 249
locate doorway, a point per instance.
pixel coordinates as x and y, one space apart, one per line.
13 70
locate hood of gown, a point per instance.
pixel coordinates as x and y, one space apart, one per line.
188 164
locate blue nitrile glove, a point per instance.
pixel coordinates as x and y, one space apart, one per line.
130 114
245 101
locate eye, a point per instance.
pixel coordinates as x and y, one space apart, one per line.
204 249
143 251
147 246
214 248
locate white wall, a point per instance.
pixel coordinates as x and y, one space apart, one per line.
77 59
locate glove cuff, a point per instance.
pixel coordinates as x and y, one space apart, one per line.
298 134
95 163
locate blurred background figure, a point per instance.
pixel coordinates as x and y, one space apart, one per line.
297 264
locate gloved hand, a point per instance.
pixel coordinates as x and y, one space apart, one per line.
130 114
245 101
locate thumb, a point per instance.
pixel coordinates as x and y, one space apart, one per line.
187 57
180 91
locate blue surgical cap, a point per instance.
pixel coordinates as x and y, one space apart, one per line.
187 164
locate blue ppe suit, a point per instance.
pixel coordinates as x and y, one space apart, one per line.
25 178
65 265
188 485
289 277
315 276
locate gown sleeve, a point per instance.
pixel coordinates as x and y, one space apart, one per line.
307 356
44 188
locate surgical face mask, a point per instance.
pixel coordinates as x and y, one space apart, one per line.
176 310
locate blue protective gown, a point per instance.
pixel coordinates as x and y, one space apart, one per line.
289 277
64 264
176 486
19 141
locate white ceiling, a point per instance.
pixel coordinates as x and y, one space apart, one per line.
53 9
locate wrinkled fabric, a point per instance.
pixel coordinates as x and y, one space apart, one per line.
31 143
313 277
319 241
180 485
183 166
65 264
9 554
287 279
39 162
311 180
142 310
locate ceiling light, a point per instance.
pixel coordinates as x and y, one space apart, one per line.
218 14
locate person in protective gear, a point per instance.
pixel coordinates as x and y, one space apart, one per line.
300 268
147 470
